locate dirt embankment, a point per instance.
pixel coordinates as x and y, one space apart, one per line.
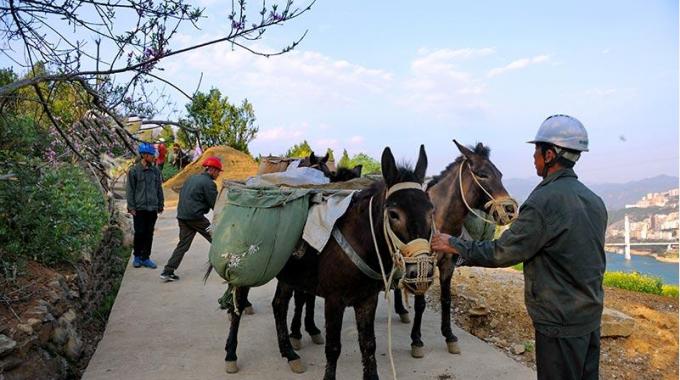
650 352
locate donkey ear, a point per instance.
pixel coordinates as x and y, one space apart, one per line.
463 150
357 170
421 166
389 167
325 158
313 159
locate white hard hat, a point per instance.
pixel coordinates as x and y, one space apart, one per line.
563 131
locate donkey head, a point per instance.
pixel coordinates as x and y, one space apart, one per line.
320 164
482 185
345 174
408 218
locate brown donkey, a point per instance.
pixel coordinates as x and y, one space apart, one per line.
472 181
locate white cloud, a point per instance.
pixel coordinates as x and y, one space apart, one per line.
279 133
298 76
357 140
519 64
438 84
600 92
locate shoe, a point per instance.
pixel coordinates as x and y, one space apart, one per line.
149 263
137 262
169 276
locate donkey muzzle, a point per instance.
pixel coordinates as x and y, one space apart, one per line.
503 210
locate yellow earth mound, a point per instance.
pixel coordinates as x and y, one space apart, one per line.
236 166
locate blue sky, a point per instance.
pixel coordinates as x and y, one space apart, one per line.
376 74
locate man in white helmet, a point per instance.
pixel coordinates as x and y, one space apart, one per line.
559 236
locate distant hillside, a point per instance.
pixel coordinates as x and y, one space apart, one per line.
614 195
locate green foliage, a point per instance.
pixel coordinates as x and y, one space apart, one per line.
169 171
50 216
331 155
344 160
169 135
47 213
370 165
299 150
634 281
669 291
219 122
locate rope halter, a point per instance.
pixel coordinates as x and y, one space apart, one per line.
416 252
498 208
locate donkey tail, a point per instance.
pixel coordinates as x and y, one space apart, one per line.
207 273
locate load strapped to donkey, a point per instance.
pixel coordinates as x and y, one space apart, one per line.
261 223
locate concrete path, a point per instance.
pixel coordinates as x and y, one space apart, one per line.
176 331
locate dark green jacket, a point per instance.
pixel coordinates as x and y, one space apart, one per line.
559 235
197 197
144 190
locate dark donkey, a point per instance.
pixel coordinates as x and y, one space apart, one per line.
472 181
307 300
333 275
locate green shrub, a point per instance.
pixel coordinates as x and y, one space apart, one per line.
169 171
634 281
49 214
519 267
669 290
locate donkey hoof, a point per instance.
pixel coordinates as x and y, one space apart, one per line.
453 347
318 339
296 366
249 310
405 318
231 366
296 343
417 352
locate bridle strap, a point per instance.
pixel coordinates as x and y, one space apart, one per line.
403 186
462 192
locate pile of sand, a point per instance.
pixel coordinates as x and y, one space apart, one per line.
236 165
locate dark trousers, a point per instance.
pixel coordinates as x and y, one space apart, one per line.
144 222
576 358
187 231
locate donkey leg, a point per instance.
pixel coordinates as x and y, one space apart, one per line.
310 326
399 307
247 306
232 339
296 323
280 305
334 310
446 273
417 350
365 316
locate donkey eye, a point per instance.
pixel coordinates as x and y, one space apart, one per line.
393 215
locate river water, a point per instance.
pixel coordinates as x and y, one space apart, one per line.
668 272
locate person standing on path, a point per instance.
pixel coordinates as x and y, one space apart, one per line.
196 199
559 236
162 154
144 201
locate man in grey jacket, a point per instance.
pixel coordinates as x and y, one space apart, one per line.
196 199
559 236
144 202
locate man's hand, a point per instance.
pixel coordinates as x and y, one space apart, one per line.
132 212
160 210
440 243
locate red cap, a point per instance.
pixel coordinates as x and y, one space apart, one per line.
213 162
